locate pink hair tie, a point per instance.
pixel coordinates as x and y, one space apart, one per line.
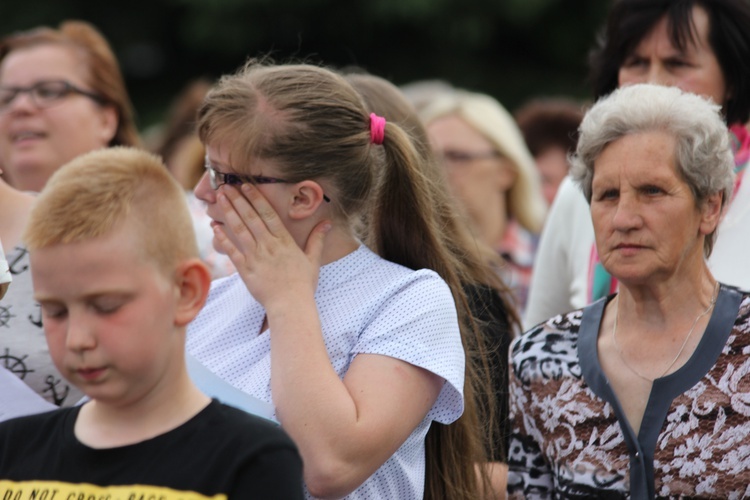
377 129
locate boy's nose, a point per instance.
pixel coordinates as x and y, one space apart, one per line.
80 335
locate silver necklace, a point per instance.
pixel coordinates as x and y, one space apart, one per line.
715 295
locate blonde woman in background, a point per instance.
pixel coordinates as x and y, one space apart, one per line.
493 176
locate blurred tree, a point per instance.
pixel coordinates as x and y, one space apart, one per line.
511 49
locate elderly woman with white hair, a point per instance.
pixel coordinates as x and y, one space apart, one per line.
492 175
644 393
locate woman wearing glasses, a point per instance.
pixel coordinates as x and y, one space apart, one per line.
493 177
61 95
358 349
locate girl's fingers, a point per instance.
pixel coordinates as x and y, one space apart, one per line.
229 248
264 210
242 207
266 256
255 212
236 222
314 246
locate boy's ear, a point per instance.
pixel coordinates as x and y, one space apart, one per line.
308 195
193 281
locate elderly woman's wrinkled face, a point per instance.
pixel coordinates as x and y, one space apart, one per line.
477 173
696 70
646 222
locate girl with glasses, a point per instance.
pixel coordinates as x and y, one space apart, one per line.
360 348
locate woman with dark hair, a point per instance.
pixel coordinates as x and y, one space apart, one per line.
657 40
550 129
700 46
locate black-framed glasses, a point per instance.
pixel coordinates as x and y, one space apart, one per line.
45 94
217 179
454 156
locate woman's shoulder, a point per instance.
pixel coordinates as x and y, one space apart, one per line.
552 341
372 262
561 326
369 273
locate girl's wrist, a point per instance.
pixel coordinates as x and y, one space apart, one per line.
295 302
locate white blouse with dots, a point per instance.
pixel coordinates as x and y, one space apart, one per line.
366 305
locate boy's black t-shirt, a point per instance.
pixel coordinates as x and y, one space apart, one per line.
222 452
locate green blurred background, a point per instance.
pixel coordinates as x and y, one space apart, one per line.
513 50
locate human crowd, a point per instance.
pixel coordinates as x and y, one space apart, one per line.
310 282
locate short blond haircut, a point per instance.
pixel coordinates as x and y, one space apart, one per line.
98 192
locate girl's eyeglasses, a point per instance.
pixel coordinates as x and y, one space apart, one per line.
217 179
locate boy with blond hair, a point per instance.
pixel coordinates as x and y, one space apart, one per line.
117 275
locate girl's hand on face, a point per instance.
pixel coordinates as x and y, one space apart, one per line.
276 271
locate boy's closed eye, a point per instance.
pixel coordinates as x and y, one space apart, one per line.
108 304
100 304
53 310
